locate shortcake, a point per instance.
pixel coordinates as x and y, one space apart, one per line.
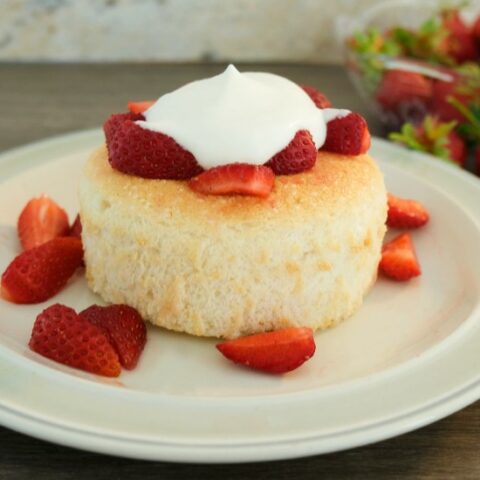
234 205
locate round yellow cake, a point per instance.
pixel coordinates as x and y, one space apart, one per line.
226 266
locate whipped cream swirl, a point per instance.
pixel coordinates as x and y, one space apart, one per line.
238 117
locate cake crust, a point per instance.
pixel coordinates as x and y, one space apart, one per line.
226 266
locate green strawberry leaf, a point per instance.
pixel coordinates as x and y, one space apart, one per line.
430 137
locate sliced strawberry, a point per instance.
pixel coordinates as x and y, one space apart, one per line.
398 87
76 228
299 155
347 135
137 151
273 352
235 178
40 221
140 107
124 327
63 336
320 100
114 121
399 260
39 273
404 213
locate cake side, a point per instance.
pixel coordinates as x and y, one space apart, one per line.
230 266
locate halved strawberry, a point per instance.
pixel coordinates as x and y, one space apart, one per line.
320 100
137 151
273 352
299 155
399 86
140 107
403 213
235 178
39 273
124 327
61 335
347 135
76 228
40 221
399 260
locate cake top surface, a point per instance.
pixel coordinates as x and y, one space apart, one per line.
335 184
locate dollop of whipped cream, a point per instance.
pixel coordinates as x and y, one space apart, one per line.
237 117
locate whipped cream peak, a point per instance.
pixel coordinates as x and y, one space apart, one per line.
237 117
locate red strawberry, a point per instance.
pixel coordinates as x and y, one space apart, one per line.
39 273
399 260
299 155
461 44
124 328
40 221
476 30
63 336
137 151
140 107
320 100
114 121
404 213
441 93
398 87
76 228
273 352
235 178
347 135
457 148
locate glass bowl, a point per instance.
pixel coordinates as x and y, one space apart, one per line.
428 96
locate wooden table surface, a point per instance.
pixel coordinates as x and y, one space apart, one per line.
38 101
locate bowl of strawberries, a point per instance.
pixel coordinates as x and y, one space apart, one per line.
418 67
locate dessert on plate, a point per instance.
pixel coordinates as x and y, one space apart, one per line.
234 205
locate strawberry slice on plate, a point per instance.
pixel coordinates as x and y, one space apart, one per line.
124 327
404 213
39 273
140 107
347 135
235 178
273 352
299 155
65 337
40 221
399 260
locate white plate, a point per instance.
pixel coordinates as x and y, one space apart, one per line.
408 358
